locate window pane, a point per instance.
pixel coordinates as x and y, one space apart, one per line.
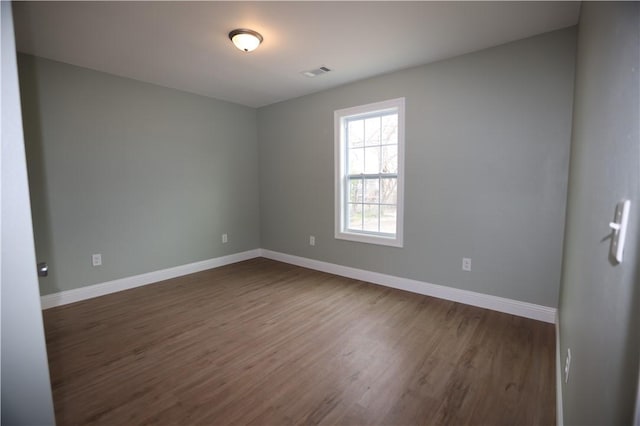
368 166
354 219
371 220
372 131
355 133
372 159
355 190
390 159
356 161
389 191
388 219
372 190
390 129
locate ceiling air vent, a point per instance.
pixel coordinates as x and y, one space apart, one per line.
316 72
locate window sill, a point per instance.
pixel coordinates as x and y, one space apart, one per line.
370 239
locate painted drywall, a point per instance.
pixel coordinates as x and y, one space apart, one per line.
25 387
599 303
147 176
487 150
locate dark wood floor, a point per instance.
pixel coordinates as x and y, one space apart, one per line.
262 342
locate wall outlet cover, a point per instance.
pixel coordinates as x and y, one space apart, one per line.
466 264
567 366
96 259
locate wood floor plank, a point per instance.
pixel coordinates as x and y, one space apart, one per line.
267 343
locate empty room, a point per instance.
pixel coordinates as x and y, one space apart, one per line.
339 213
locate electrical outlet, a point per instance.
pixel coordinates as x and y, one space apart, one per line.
225 239
312 240
567 366
96 259
466 264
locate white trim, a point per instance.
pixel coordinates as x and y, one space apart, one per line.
500 304
89 292
340 183
636 417
559 412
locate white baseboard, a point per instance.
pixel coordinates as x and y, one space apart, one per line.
559 411
500 304
523 309
91 291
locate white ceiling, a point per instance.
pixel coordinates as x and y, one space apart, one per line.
184 45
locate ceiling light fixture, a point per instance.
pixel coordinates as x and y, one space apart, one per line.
245 40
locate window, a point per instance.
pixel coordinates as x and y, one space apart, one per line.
369 163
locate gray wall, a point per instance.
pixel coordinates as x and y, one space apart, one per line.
26 391
487 150
600 300
150 177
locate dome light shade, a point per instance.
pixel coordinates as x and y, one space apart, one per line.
245 40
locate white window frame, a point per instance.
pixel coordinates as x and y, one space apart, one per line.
341 181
